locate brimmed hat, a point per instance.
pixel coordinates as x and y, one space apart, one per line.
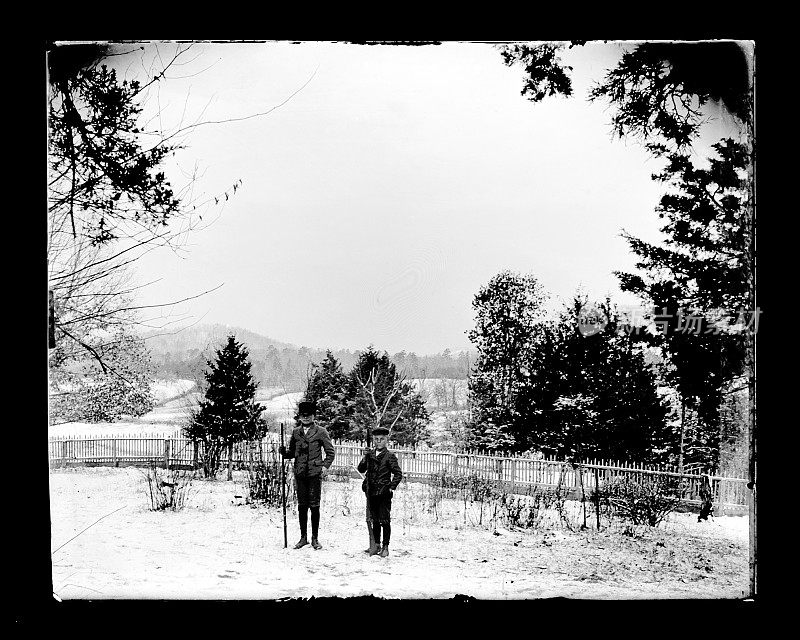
307 408
380 431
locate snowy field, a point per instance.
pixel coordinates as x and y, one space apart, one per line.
219 547
166 390
173 401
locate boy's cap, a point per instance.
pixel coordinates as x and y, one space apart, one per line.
307 408
380 431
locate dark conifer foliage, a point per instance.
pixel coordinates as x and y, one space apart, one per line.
327 387
105 178
656 89
697 284
562 391
228 413
372 393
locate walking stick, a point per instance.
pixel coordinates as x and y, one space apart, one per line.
369 513
283 493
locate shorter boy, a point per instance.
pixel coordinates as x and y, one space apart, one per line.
382 476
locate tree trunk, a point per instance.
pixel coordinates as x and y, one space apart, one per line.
230 461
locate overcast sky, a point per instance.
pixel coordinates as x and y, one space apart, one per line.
378 200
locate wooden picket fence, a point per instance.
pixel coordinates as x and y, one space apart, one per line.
511 470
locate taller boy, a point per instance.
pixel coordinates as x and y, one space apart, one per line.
305 446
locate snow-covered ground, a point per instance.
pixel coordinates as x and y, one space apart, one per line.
218 547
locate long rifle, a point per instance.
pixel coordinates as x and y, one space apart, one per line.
283 492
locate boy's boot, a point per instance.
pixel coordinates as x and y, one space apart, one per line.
384 551
374 551
301 543
315 543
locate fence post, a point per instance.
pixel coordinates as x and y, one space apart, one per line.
579 470
166 453
251 449
597 496
512 464
114 452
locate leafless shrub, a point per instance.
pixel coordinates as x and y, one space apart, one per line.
646 501
434 495
168 488
528 511
560 493
498 502
264 478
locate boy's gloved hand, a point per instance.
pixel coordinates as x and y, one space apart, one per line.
282 450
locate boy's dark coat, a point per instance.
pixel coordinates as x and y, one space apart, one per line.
307 451
384 473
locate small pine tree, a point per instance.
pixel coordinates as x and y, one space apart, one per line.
228 413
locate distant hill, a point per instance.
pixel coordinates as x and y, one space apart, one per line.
184 354
207 336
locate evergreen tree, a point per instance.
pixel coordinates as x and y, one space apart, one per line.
327 387
697 282
228 413
630 423
592 394
656 90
